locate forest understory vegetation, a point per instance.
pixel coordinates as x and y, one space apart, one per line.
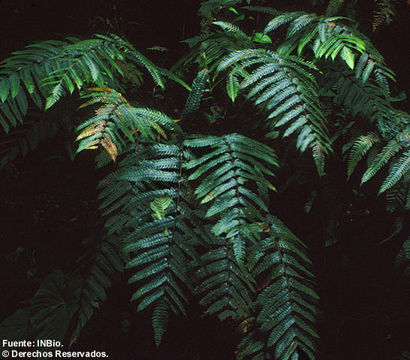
242 196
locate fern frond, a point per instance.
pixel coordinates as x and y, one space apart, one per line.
398 170
195 95
228 27
319 158
381 159
286 303
208 49
286 90
116 122
233 161
397 196
149 204
225 287
330 37
383 14
367 100
360 147
229 171
105 263
50 69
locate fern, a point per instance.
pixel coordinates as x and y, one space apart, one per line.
195 95
398 169
287 91
51 68
397 196
381 159
105 264
360 147
367 100
224 285
384 14
116 122
286 302
208 49
330 37
190 215
233 162
158 236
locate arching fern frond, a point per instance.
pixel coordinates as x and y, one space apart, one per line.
117 123
208 49
105 263
381 159
359 149
198 89
225 286
227 170
358 98
398 196
286 304
287 90
50 69
22 140
230 170
398 169
149 204
330 37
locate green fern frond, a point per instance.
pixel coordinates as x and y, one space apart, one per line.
330 37
225 287
286 90
50 69
397 196
365 99
233 161
208 49
228 27
398 170
286 301
105 264
198 89
149 204
116 120
228 171
319 158
360 147
282 19
381 159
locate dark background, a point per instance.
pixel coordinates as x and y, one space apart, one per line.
47 201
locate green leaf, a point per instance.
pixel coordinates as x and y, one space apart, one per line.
348 56
232 86
261 38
